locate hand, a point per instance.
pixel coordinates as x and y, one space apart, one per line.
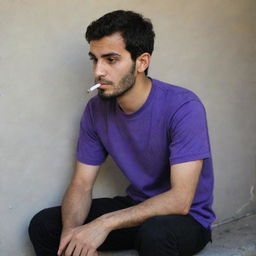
83 240
65 238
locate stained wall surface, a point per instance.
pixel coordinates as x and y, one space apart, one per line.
206 46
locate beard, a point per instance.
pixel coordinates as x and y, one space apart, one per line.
125 84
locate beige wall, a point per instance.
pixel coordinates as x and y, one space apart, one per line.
206 46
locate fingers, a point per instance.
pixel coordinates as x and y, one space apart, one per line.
81 241
84 252
63 244
64 241
77 251
71 249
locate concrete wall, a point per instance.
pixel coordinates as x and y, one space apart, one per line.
206 46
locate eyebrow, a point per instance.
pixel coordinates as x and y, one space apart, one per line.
105 55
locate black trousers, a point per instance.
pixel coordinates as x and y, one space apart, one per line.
172 235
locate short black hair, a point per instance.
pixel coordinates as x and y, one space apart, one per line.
136 31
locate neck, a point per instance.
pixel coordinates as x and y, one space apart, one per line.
132 100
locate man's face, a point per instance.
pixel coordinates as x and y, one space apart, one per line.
112 66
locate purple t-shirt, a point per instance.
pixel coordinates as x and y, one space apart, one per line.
170 128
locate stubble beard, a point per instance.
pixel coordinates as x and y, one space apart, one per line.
126 83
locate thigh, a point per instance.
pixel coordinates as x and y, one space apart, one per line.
192 237
172 235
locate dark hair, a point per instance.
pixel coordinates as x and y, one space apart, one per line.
136 31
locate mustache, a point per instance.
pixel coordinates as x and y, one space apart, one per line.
102 81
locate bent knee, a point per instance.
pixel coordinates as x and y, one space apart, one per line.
35 225
44 223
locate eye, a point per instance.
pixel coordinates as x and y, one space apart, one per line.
111 60
94 60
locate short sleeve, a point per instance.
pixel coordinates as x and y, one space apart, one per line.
189 134
89 147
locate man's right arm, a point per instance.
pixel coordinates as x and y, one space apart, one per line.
77 201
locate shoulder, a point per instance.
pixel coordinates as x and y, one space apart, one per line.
173 97
174 91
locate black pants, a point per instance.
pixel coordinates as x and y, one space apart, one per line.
170 235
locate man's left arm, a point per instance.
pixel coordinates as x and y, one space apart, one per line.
184 178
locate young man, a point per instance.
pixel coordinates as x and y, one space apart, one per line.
157 135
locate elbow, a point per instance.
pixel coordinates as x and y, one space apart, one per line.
180 208
184 210
180 203
184 207
183 202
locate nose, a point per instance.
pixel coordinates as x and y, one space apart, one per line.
99 69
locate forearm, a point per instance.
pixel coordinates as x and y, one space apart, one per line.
177 200
75 206
166 203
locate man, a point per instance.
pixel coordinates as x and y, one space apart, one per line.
157 135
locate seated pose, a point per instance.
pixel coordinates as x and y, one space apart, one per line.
157 135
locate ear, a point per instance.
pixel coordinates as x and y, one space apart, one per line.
142 62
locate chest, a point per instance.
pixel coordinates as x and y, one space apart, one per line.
145 134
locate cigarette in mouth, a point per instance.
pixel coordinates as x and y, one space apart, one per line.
94 87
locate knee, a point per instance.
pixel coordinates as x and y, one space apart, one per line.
45 223
35 225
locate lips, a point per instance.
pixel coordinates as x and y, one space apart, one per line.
104 86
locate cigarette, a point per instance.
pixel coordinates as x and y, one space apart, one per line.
94 87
